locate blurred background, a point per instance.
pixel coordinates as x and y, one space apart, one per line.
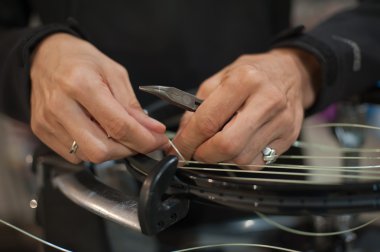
17 183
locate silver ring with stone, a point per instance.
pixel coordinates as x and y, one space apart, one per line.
269 155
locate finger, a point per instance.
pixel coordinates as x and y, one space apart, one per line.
211 115
66 140
146 121
184 120
206 88
280 133
235 143
116 77
209 85
279 145
114 119
234 137
91 139
252 154
63 150
57 146
51 133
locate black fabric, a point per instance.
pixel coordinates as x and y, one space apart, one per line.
17 42
171 42
296 38
181 43
347 46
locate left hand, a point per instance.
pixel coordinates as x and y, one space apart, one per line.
267 93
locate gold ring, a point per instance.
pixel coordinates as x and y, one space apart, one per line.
74 148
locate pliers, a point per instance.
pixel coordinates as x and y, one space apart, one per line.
174 96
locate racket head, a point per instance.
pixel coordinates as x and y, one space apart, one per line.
269 193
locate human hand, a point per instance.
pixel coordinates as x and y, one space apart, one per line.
80 94
265 93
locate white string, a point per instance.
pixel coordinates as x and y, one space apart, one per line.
286 173
305 233
261 215
290 166
351 169
236 245
352 125
300 144
323 157
177 151
287 181
33 236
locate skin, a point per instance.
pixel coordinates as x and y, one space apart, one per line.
80 94
265 93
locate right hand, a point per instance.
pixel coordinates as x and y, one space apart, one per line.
80 94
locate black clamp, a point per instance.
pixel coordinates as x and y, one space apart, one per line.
157 210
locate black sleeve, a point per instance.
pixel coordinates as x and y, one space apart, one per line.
17 41
348 47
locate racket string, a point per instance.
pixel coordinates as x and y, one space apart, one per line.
359 172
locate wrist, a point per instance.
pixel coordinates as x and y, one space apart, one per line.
46 42
309 70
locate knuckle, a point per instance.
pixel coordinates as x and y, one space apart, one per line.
99 154
242 57
243 77
278 99
207 87
147 147
293 127
207 156
228 148
74 79
134 103
121 70
202 157
242 160
118 129
203 89
208 126
36 126
294 133
247 72
75 74
246 57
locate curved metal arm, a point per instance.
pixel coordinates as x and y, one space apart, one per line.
150 213
85 190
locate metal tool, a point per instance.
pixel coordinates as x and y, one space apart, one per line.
150 212
177 97
174 96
